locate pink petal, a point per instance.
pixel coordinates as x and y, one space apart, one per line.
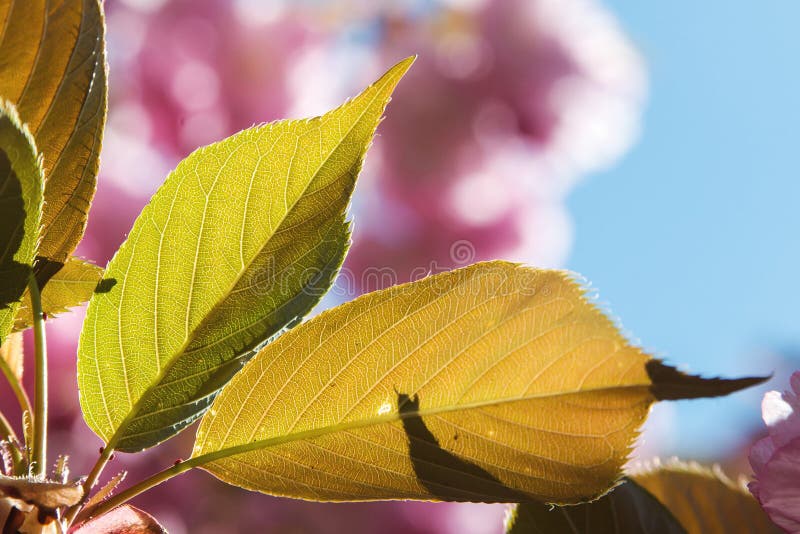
777 487
794 381
760 454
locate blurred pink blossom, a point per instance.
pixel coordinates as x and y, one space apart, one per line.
775 459
510 103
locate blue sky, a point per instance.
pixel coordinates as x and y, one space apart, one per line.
692 239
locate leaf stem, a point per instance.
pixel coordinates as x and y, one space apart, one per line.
16 387
88 484
179 468
39 456
6 431
141 487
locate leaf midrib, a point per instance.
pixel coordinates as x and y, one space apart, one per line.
197 461
385 332
137 405
337 474
274 311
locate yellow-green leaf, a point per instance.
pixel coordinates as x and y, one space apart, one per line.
495 382
71 286
21 185
52 67
242 239
628 509
704 500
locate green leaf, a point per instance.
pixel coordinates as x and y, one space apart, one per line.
52 67
243 238
71 286
495 382
627 509
21 185
704 500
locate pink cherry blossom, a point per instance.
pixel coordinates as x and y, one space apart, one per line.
776 458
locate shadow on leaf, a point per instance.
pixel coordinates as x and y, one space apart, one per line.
105 285
446 476
45 269
12 231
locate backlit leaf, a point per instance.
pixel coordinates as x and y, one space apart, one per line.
242 239
628 509
495 382
52 67
71 286
21 185
704 500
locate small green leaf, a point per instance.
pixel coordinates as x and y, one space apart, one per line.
106 491
704 500
21 186
52 67
27 429
243 238
627 509
61 469
495 382
71 286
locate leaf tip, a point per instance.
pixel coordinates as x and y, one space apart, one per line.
393 76
668 383
406 63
